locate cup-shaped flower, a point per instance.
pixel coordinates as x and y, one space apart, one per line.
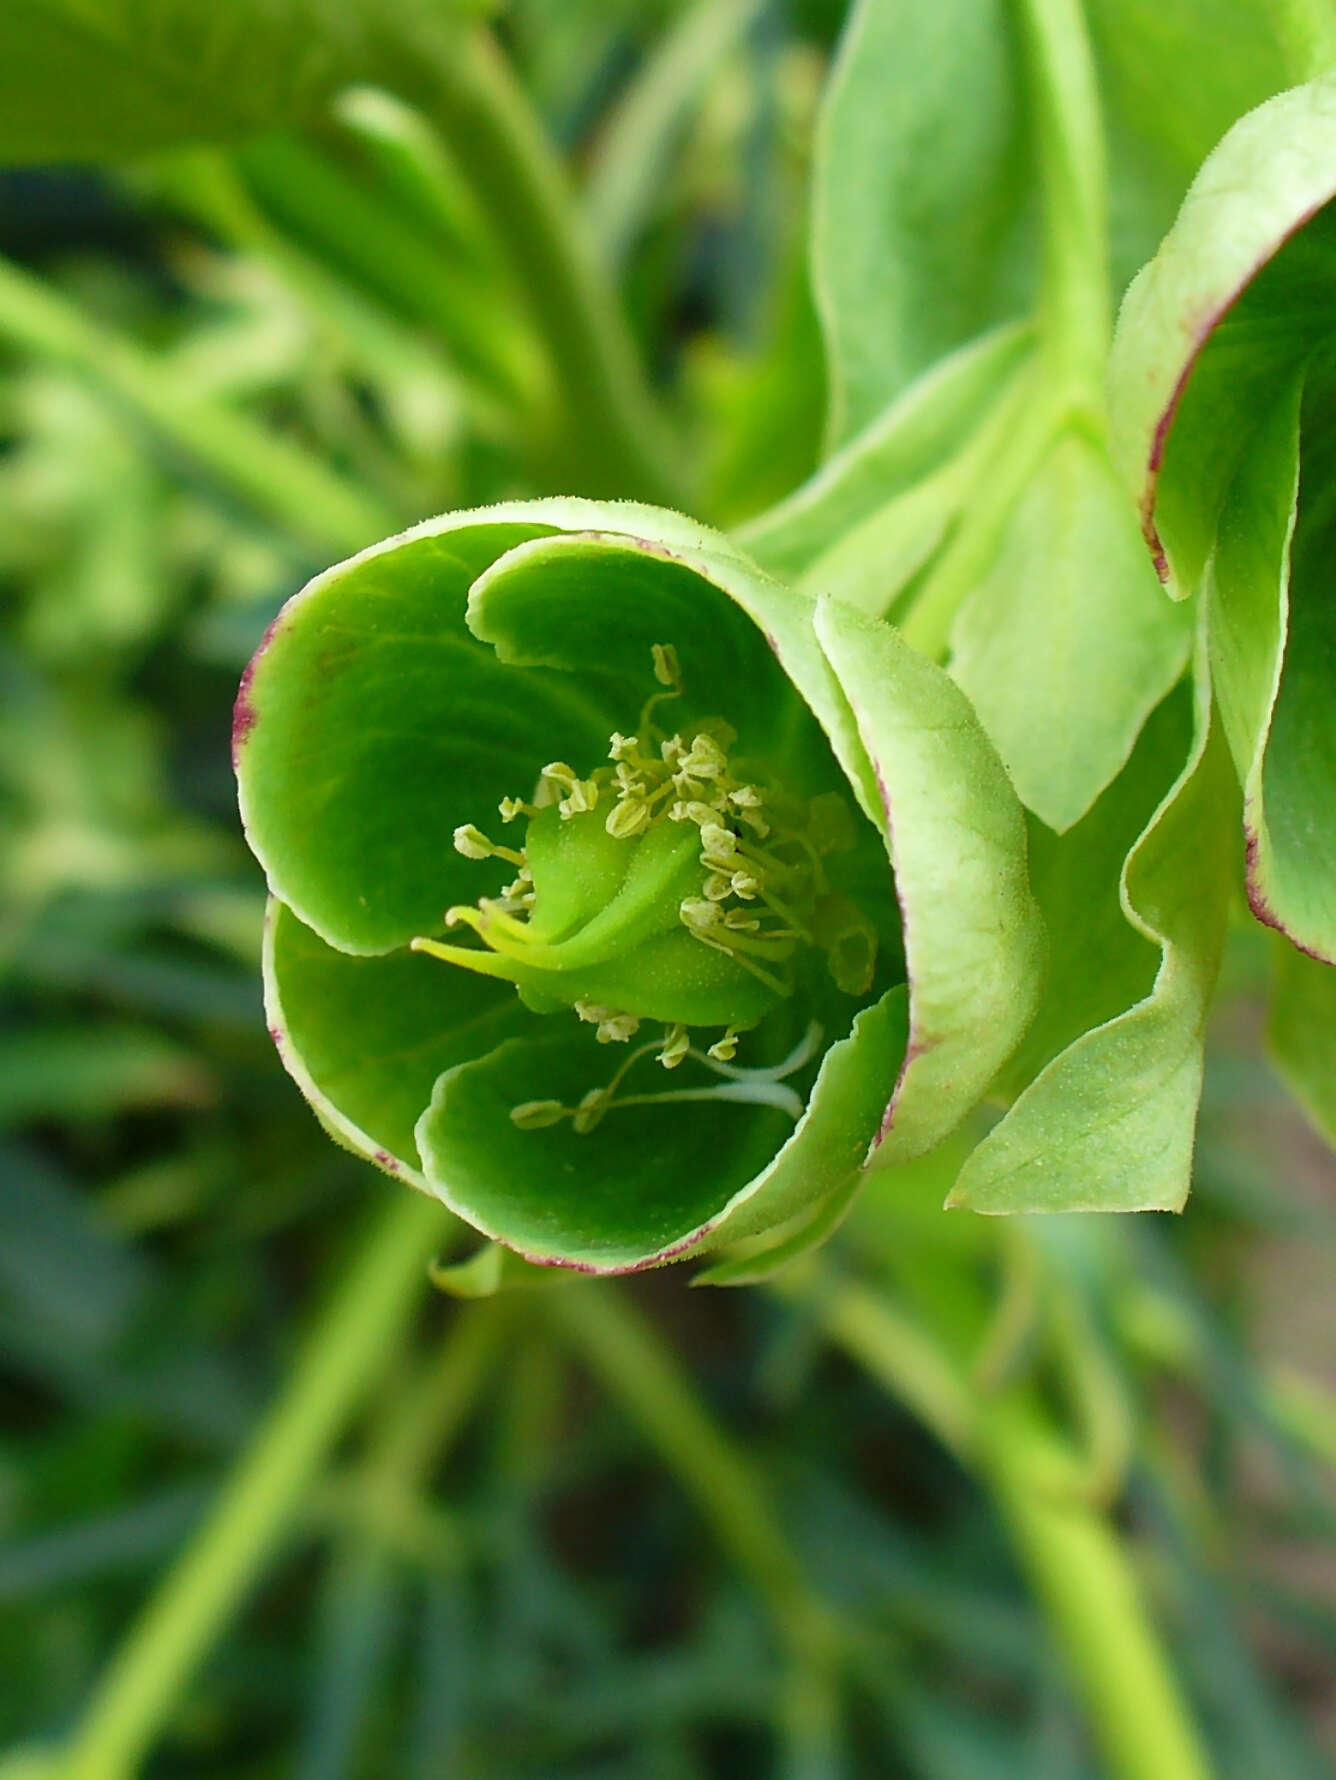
625 899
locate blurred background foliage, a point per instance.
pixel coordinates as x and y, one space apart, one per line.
514 1563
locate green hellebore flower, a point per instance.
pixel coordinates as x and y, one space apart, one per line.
625 899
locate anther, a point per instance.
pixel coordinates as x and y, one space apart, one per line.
667 668
590 1111
613 1026
676 1044
537 1115
724 1049
699 915
472 842
716 840
628 817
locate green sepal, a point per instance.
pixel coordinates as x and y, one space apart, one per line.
488 1271
1301 1035
366 1038
1222 391
1108 1124
973 935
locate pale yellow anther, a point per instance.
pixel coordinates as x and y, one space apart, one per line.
724 1049
627 818
537 1115
740 921
699 915
667 668
621 747
676 1044
511 807
745 797
472 842
718 886
694 811
590 1110
705 759
580 799
614 1027
716 840
746 885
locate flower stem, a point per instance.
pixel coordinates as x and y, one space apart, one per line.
348 1346
273 476
1072 1557
623 1352
616 444
1075 307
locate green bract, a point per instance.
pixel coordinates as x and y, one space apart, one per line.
1223 380
625 899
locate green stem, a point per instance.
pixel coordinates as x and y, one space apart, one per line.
616 441
1073 1559
1080 1573
997 464
1076 314
626 174
348 1346
273 476
890 1346
624 1353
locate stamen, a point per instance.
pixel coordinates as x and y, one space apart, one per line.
613 1026
762 891
474 844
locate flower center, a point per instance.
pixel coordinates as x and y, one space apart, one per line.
674 883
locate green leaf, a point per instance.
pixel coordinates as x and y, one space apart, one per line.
1166 105
1290 836
1273 656
972 934
1099 963
1301 1034
1180 415
1224 421
78 1073
368 711
1068 635
1108 1124
917 434
645 1184
921 229
86 80
366 1038
491 1269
